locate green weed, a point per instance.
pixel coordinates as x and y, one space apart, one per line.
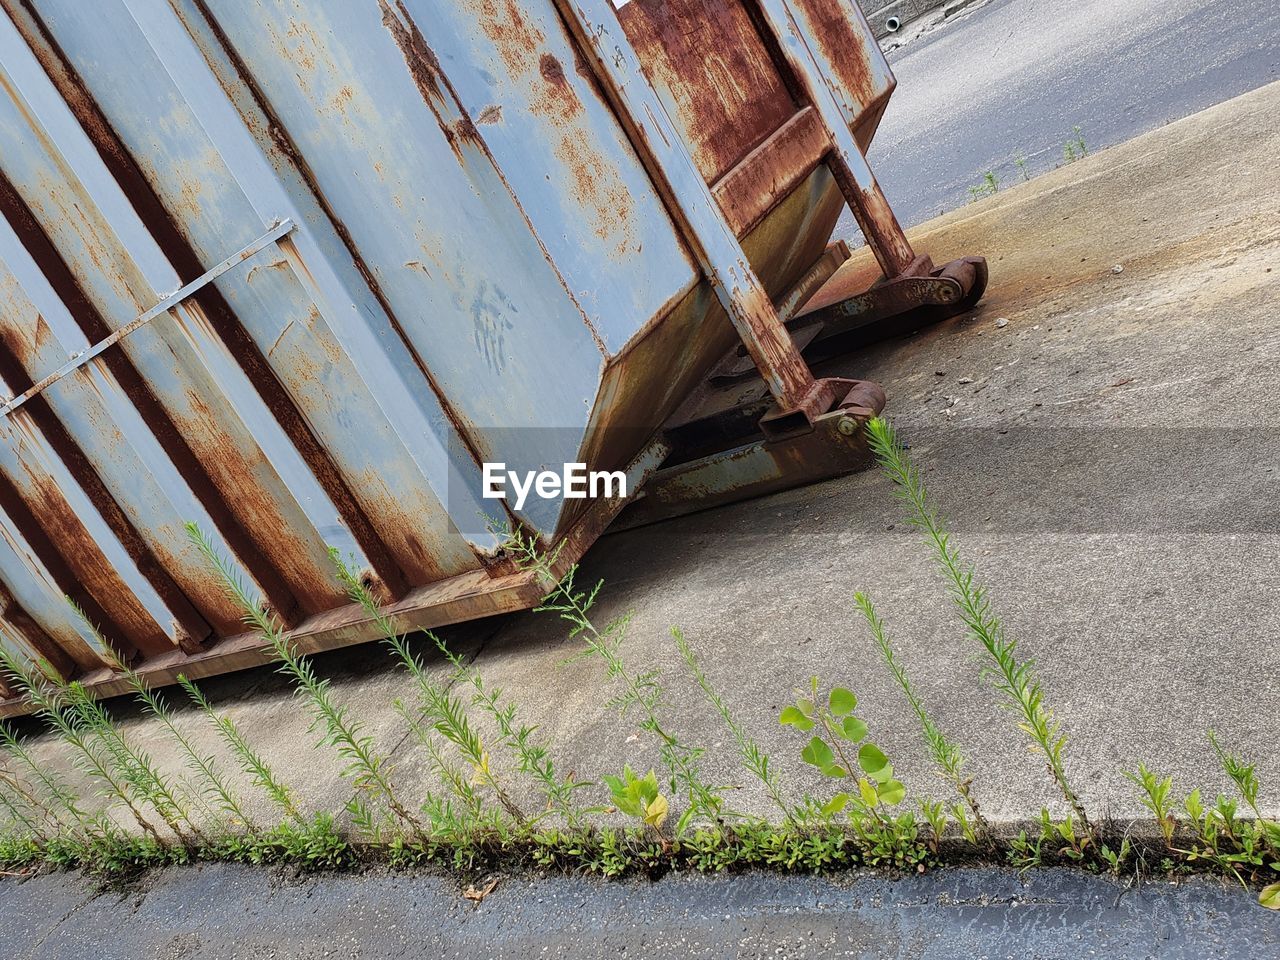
753 757
640 691
249 760
1013 678
367 769
1075 148
945 754
989 187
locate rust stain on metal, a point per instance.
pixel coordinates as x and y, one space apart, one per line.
770 172
832 32
737 104
34 635
712 62
44 520
140 393
223 321
424 64
424 68
596 187
287 153
191 624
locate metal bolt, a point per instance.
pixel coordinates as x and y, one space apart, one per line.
847 426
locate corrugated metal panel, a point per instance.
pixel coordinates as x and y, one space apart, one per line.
480 267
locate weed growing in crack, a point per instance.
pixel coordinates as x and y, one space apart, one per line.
213 786
66 811
639 797
1014 679
533 757
1075 148
1020 161
886 836
640 691
47 697
946 755
249 760
753 757
134 766
446 712
367 769
989 187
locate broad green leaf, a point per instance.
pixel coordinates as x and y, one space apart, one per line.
872 759
1193 804
842 701
835 804
818 753
835 771
853 729
686 818
892 792
793 717
868 792
1270 896
648 787
655 814
806 706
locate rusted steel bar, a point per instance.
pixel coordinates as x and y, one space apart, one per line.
754 185
870 208
172 300
691 202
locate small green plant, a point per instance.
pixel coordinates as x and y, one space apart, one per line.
1013 678
1156 797
835 730
133 765
1257 844
213 785
367 769
249 760
945 754
989 187
640 691
639 797
753 757
532 757
66 805
446 711
1020 161
1075 148
43 690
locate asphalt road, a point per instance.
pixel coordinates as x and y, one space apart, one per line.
1014 76
236 913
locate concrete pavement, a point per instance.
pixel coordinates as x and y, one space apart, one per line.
1108 454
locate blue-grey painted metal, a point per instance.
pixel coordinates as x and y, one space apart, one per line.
476 264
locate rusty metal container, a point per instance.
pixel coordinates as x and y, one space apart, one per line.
293 271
